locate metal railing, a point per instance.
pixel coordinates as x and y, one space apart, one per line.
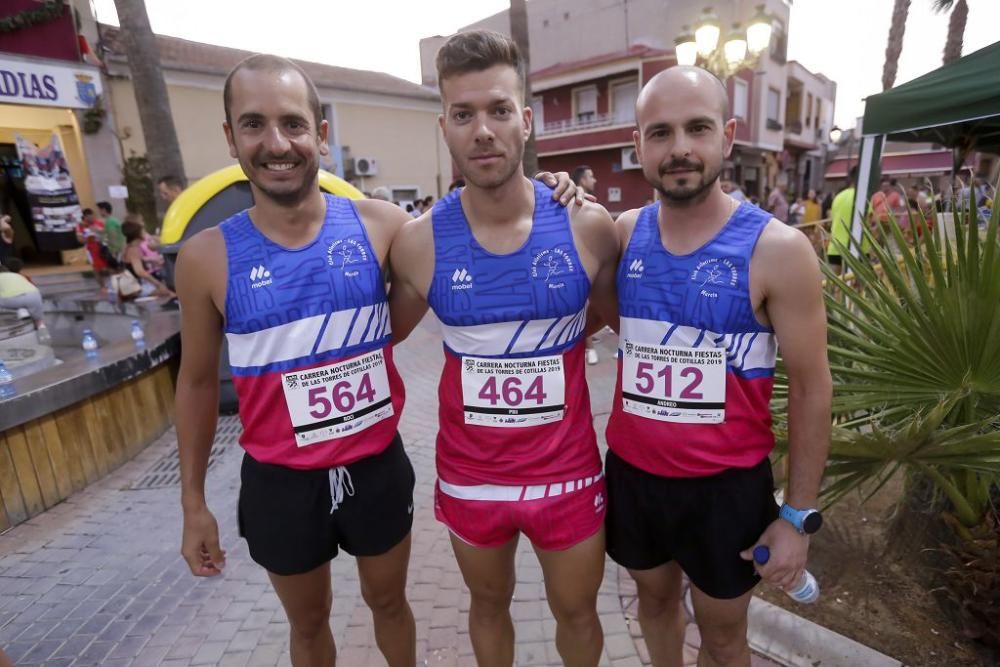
582 122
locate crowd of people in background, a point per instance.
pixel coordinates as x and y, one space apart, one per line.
125 258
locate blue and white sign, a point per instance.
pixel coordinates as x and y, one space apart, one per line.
48 83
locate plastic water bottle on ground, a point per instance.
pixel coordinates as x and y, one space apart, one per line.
805 591
138 335
89 344
7 388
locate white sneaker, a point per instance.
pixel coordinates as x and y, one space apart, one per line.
23 314
591 356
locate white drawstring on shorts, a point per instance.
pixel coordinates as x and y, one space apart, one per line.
340 481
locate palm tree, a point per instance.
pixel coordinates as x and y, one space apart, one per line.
956 27
519 32
895 46
162 148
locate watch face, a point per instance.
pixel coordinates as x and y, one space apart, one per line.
812 523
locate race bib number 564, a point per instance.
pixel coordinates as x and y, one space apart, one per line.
339 399
674 384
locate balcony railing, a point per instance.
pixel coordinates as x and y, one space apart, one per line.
582 122
794 127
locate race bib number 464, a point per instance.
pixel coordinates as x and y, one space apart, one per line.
674 384
513 392
339 399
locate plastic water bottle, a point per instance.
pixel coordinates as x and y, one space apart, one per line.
89 344
805 591
7 388
138 335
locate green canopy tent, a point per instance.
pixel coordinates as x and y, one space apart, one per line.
957 105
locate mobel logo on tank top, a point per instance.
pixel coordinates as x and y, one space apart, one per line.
260 277
711 274
461 279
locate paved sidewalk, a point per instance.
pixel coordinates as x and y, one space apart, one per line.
98 579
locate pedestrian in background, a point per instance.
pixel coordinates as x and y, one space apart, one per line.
777 203
113 236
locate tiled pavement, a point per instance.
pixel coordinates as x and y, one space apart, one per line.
98 580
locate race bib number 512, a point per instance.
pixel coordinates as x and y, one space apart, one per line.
339 399
513 392
674 384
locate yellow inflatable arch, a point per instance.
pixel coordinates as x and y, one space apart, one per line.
227 192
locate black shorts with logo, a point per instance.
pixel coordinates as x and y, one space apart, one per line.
285 516
703 523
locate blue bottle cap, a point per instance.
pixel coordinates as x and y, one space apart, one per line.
761 554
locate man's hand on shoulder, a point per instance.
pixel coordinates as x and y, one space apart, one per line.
563 187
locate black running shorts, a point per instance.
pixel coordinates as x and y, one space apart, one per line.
285 516
703 523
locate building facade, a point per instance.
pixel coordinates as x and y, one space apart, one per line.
383 130
589 62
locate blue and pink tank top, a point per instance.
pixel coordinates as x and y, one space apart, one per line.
514 406
309 343
695 367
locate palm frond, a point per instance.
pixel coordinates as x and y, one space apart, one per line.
914 349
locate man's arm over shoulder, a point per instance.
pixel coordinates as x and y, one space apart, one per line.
411 262
793 293
596 232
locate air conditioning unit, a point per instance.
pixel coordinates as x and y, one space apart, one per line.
365 166
630 160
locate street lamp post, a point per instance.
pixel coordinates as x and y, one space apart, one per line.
724 55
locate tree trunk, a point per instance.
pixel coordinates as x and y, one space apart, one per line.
519 32
162 148
956 32
900 10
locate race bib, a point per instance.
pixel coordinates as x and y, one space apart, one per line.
337 400
674 384
513 392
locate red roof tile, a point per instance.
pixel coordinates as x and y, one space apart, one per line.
634 51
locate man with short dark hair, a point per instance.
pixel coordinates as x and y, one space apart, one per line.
310 349
297 286
113 236
508 273
584 177
169 188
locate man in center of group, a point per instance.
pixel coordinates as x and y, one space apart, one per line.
508 272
